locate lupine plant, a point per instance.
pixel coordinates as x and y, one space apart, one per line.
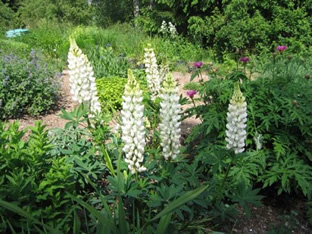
81 77
168 29
133 132
170 130
236 122
152 73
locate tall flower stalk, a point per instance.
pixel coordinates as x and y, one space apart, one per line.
236 121
170 130
132 126
153 77
81 78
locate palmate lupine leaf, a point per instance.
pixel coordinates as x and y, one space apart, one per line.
245 195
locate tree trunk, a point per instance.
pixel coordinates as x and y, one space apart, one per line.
151 4
136 7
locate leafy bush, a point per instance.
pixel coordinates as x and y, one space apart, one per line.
110 91
26 86
93 189
32 12
279 121
31 178
38 173
19 48
7 17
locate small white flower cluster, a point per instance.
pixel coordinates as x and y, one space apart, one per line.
152 73
133 131
81 78
164 28
172 30
170 131
236 122
168 29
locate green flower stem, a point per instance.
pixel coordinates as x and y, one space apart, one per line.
224 179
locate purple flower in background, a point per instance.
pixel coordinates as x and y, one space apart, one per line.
198 64
281 48
244 59
191 93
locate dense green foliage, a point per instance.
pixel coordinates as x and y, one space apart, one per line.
110 91
279 118
58 179
27 85
226 26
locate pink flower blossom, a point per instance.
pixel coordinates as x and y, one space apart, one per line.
198 64
191 93
244 59
281 48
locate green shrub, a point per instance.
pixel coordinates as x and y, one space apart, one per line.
110 91
279 117
7 17
33 12
27 85
19 48
31 178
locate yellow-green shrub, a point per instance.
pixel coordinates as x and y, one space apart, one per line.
110 91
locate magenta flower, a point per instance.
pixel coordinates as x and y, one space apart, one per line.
244 59
198 64
281 48
191 93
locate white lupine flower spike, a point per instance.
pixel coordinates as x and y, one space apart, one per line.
164 28
152 73
172 30
132 125
81 78
236 122
170 130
